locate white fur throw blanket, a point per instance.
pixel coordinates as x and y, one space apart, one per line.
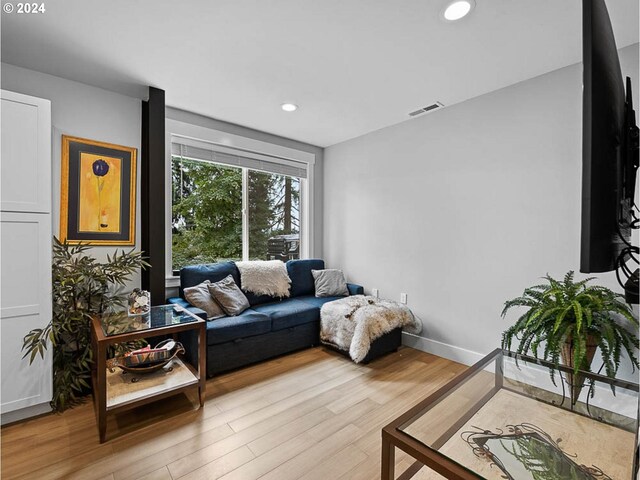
353 323
265 277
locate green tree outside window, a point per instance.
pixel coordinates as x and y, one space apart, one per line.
207 211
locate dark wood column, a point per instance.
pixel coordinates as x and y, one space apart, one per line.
152 194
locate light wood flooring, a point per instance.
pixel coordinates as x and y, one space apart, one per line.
310 415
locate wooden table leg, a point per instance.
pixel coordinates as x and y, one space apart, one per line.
202 363
388 460
101 394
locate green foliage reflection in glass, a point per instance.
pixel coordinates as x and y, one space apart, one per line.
534 458
207 211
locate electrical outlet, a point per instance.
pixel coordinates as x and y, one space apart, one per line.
403 298
374 292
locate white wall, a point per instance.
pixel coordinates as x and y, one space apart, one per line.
465 207
82 111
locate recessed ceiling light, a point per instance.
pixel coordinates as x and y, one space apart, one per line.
457 9
289 107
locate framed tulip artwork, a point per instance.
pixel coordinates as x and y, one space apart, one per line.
98 192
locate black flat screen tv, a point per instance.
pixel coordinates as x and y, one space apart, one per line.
609 146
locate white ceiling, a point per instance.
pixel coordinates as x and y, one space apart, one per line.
353 66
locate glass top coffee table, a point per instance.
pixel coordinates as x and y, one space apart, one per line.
504 418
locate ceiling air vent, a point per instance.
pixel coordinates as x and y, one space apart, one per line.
429 108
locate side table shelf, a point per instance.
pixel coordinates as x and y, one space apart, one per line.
122 391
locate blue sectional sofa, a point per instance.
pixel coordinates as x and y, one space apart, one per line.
270 327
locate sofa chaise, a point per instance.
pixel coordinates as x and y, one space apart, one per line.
270 327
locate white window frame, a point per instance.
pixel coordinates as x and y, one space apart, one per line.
242 146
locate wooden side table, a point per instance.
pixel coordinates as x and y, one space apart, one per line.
115 390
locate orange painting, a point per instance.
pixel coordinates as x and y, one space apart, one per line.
97 192
100 193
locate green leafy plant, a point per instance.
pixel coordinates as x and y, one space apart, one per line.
82 287
570 320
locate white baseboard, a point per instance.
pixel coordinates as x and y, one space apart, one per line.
24 413
450 352
622 403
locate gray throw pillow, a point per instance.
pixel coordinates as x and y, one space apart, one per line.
200 297
330 283
229 296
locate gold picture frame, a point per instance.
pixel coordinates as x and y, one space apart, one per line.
97 192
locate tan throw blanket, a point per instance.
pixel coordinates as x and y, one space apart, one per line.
353 323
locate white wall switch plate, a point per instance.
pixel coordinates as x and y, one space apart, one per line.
403 298
374 292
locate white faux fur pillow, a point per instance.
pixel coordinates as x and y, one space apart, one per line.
265 277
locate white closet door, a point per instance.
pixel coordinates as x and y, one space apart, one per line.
26 154
26 304
25 244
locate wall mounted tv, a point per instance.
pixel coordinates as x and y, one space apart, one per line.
609 150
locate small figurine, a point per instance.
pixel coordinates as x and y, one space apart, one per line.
139 302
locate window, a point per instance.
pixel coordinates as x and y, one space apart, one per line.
274 216
222 209
206 215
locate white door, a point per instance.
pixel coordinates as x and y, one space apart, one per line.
26 304
25 248
26 154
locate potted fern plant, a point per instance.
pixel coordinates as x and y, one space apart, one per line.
569 320
82 287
